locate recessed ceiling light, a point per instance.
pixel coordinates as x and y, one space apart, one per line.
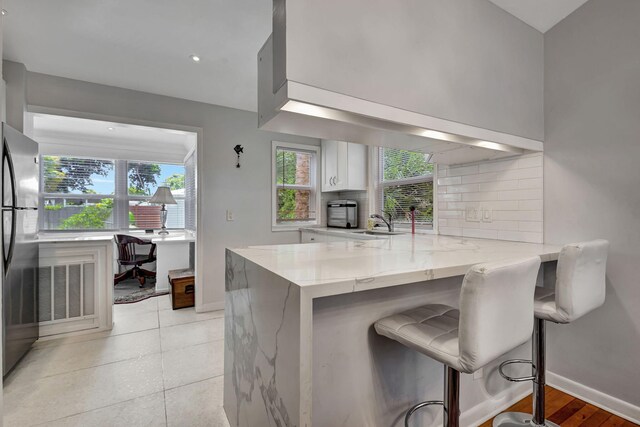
194 58
111 128
4 12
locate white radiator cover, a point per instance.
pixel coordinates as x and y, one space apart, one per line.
75 293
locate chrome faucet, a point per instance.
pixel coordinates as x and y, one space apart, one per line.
388 223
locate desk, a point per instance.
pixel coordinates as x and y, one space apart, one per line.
172 253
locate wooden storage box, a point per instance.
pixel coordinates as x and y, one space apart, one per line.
183 288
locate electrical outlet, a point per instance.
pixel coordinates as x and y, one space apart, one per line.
486 215
478 374
229 215
473 214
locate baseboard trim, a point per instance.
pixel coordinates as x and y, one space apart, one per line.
210 306
597 398
488 409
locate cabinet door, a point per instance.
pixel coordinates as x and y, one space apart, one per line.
329 165
341 180
309 237
357 167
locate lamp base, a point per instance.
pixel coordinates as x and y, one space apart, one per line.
163 232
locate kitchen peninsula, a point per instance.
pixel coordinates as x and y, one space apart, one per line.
299 344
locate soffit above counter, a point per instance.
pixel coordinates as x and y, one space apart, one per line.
295 98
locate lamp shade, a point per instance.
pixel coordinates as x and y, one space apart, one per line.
163 196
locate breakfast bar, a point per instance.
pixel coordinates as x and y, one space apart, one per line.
300 349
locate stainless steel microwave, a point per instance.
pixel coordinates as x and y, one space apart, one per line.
342 214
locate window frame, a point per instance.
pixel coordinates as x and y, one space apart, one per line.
120 196
314 182
380 184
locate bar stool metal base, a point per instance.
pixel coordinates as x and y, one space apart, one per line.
519 419
420 405
451 403
508 419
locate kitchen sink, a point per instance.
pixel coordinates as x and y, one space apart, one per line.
380 232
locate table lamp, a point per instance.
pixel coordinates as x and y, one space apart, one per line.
163 197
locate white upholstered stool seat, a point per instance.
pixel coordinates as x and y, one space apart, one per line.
481 330
544 304
430 329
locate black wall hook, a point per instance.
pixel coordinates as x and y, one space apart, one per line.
238 149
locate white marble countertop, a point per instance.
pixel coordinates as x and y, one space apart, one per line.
349 266
173 237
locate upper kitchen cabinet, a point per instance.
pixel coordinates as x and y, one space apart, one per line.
344 166
404 89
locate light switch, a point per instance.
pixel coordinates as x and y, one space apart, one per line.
229 215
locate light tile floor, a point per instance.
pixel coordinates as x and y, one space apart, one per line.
157 367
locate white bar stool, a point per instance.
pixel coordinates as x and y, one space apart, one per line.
580 288
495 316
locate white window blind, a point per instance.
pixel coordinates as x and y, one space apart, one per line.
102 194
405 180
190 192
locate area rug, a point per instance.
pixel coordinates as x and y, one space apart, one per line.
129 291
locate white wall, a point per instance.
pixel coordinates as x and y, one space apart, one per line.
592 178
466 61
246 191
511 189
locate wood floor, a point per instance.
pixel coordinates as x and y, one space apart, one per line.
569 411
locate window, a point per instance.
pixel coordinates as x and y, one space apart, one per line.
101 194
143 179
296 200
78 194
405 179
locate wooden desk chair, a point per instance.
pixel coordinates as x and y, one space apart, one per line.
127 257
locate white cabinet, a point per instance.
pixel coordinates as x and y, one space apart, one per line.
344 166
323 236
307 236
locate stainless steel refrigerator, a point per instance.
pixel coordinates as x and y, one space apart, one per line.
20 183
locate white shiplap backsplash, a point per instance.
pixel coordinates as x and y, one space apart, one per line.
511 189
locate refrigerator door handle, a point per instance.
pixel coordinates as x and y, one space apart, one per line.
6 160
6 258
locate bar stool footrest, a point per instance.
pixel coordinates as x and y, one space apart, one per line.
519 419
420 405
517 379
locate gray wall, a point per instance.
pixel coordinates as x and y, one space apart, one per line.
15 76
246 191
592 172
466 61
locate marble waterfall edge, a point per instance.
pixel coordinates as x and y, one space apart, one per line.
262 343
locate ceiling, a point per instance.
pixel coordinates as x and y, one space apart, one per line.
145 44
540 14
